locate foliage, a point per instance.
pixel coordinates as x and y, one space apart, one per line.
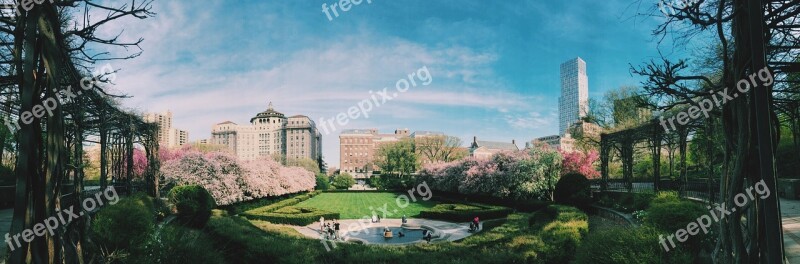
397 158
169 245
323 182
291 215
562 230
626 246
193 204
343 181
439 148
573 189
668 213
626 202
517 175
305 163
124 224
464 213
580 162
229 180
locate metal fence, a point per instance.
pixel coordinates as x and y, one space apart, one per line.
702 189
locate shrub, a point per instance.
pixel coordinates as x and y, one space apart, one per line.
343 181
573 189
464 212
668 214
193 203
562 229
169 245
626 245
124 224
290 215
323 182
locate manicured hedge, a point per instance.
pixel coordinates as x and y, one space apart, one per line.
519 205
464 212
283 203
293 215
627 245
284 212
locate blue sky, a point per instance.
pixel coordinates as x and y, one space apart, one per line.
495 65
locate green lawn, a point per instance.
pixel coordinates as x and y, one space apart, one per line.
357 205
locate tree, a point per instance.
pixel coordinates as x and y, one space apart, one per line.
343 181
757 39
304 163
323 182
581 163
397 158
438 148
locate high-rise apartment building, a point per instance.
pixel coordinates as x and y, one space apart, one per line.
168 136
270 134
574 101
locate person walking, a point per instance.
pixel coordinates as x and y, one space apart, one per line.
336 228
321 224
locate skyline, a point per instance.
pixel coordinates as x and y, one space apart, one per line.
495 66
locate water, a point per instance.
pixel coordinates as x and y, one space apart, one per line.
374 235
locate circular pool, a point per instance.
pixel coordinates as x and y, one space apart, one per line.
375 235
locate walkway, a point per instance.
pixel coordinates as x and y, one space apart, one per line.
450 231
790 213
5 226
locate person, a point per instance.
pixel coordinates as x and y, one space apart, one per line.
321 224
330 232
374 218
428 237
404 219
424 232
472 226
336 228
477 223
379 219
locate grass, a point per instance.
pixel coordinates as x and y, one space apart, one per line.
359 205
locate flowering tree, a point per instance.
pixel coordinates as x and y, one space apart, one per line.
229 180
516 175
580 162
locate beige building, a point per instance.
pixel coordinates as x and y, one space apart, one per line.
486 149
270 134
168 136
564 143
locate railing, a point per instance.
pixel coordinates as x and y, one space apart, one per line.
700 189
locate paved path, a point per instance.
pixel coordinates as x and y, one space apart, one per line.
5 226
790 213
450 231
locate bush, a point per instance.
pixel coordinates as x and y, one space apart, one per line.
625 202
626 245
125 224
668 213
283 213
573 189
464 212
323 182
169 245
290 215
193 203
343 181
562 230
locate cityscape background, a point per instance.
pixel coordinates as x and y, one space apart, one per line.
495 70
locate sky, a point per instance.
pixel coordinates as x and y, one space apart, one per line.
494 66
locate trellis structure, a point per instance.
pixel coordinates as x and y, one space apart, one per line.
37 65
